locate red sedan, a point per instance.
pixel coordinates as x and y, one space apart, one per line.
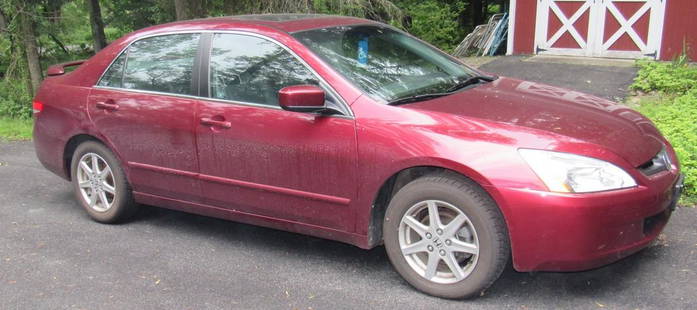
352 130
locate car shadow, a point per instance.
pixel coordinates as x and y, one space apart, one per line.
611 279
265 239
523 286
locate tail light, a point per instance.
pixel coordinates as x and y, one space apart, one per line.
37 106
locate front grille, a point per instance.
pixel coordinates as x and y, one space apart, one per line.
660 162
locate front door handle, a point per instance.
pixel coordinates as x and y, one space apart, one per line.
211 122
109 106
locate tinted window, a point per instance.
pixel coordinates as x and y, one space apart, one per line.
162 64
250 69
112 77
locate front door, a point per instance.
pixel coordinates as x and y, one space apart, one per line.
142 106
600 28
258 159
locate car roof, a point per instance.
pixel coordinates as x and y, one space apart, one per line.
282 22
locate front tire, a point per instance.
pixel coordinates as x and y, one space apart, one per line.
446 236
100 184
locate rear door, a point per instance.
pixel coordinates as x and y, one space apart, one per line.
266 161
144 107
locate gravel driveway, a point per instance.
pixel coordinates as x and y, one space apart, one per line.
52 256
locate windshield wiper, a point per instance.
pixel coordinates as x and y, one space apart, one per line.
416 98
469 81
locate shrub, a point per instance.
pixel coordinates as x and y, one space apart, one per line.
674 78
434 22
15 101
674 111
675 117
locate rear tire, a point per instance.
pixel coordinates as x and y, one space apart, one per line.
100 184
459 255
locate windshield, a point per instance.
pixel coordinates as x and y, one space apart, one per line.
385 63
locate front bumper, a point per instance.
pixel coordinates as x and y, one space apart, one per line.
572 232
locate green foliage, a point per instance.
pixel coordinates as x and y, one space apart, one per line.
15 101
124 16
493 8
675 117
381 10
675 78
674 111
435 22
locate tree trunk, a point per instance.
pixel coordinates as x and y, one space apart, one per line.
97 24
182 9
3 22
229 7
53 10
188 9
31 51
197 8
477 12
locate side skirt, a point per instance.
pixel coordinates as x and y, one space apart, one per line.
360 241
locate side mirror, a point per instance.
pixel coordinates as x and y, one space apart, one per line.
302 98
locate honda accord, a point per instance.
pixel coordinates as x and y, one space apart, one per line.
352 130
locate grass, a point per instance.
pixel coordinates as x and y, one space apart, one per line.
688 201
16 129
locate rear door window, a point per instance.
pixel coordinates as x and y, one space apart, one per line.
162 64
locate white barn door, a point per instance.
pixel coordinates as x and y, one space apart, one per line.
630 28
602 28
565 27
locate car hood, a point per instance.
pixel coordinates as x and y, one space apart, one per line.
560 111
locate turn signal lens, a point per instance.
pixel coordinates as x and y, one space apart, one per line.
37 106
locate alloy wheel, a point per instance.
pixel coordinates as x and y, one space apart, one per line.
96 182
438 241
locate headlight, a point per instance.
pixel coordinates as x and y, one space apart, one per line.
568 173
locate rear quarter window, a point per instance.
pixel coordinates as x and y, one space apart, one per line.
114 75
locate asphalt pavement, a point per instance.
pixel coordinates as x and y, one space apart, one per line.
601 77
52 256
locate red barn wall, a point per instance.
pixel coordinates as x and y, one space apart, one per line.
680 25
524 31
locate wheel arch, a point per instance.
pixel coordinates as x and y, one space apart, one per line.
401 178
72 144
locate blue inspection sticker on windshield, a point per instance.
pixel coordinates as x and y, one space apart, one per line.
363 51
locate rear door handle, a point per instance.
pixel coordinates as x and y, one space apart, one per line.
109 106
211 122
